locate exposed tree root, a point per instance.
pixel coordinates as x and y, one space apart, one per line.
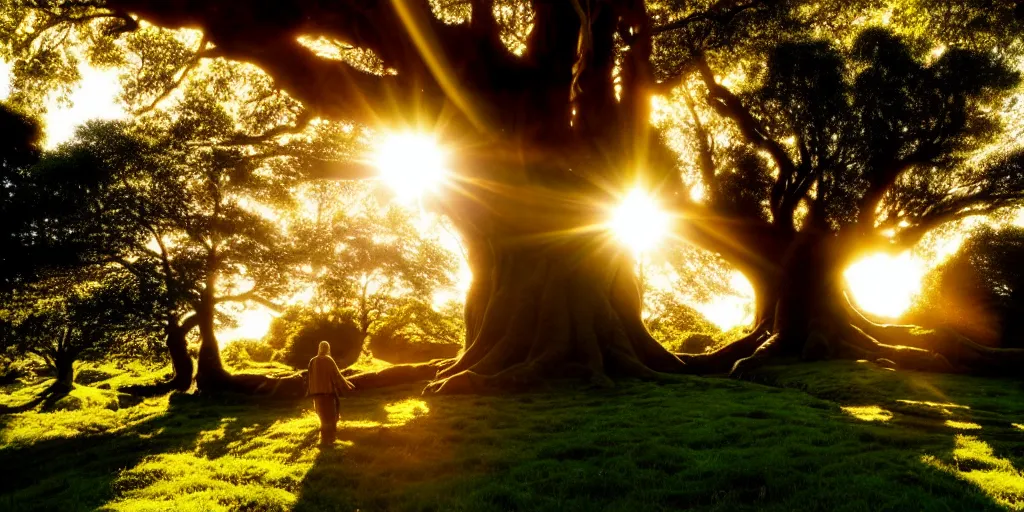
723 359
177 382
398 374
962 353
286 385
842 332
554 314
148 390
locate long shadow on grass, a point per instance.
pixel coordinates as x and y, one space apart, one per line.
78 473
384 444
47 398
975 425
700 444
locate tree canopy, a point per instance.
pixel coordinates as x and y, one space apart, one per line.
789 137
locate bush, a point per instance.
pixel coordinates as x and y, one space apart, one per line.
89 376
241 351
11 371
305 333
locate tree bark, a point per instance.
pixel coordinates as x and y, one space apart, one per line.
181 362
533 313
210 373
64 365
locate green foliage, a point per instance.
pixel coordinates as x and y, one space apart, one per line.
373 260
375 267
297 334
979 291
693 276
883 115
240 352
85 315
701 444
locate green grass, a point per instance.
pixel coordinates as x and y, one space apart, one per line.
831 436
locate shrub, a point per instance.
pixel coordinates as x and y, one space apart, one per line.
303 334
241 351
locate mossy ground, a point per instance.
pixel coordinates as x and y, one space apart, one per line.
828 436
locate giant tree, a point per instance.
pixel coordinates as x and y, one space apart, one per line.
547 105
160 200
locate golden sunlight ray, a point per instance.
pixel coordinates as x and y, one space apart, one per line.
885 285
731 309
638 222
411 164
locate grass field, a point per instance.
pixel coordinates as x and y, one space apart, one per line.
827 436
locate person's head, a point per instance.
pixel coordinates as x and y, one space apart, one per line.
324 349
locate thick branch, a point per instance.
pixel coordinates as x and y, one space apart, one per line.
250 296
729 105
182 74
265 34
704 146
722 12
301 122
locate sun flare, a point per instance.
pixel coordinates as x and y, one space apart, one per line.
885 285
252 324
638 222
731 309
411 164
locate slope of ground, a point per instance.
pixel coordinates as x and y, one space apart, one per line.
833 436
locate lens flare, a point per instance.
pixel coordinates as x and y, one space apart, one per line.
731 309
885 285
411 164
638 222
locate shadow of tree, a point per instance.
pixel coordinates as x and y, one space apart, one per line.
48 397
81 471
373 426
705 444
977 420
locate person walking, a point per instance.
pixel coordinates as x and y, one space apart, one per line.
325 385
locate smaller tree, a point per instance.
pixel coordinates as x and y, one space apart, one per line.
417 331
86 315
371 263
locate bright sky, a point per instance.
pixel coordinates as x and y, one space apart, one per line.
95 97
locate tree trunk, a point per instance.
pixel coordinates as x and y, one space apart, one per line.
540 312
64 365
212 377
210 373
181 361
182 365
812 320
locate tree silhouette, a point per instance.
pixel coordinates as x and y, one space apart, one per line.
826 147
20 149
